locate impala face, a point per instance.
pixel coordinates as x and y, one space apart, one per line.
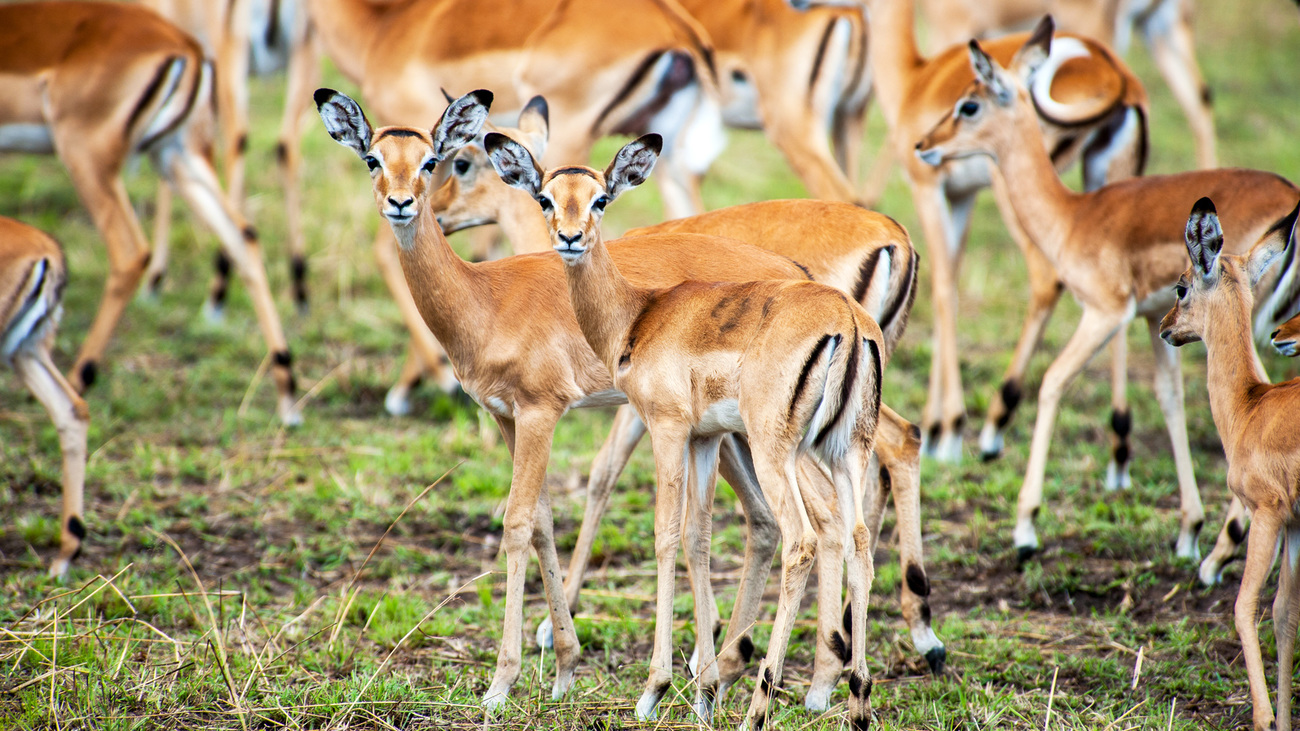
963 133
573 199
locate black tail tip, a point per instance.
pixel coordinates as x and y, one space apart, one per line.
937 659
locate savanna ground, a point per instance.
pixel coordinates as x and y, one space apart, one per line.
286 619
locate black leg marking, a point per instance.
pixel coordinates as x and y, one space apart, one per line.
914 432
917 582
1207 95
1011 394
1121 422
222 265
1033 516
958 423
886 482
155 281
765 685
1196 528
76 527
281 153
250 234
847 621
746 647
1236 532
88 373
925 612
241 145
282 358
839 648
934 434
860 687
298 267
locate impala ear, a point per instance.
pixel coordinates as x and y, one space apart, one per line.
535 121
1034 53
461 123
514 163
344 120
632 165
991 74
1280 240
1204 238
446 94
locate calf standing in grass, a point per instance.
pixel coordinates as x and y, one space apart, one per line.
1257 422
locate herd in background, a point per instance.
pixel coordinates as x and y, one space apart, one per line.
705 328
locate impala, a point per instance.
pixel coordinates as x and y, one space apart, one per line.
508 329
96 83
858 251
1256 420
794 366
1118 249
1286 339
32 277
1090 106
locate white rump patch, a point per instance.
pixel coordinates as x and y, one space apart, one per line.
878 288
32 319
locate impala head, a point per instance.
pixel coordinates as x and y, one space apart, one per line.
1217 284
574 198
982 115
473 194
402 159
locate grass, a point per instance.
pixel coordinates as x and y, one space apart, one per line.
222 585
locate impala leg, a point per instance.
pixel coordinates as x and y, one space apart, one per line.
670 441
232 96
71 419
882 167
1045 289
303 75
832 652
397 402
1260 551
898 454
422 340
162 227
1286 615
689 149
849 484
776 471
1172 49
847 130
1095 328
624 435
567 650
1121 420
196 182
762 536
702 479
1230 536
1169 392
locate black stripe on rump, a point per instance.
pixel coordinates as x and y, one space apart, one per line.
179 118
903 298
802 383
821 55
151 91
850 376
867 271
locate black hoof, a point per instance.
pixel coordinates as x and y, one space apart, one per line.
1024 554
987 457
937 658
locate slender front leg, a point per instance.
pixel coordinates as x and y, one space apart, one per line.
1095 328
832 652
1286 615
860 575
567 650
703 466
1260 551
670 441
302 76
530 434
71 419
1230 536
1169 392
397 402
1174 54
162 231
1121 419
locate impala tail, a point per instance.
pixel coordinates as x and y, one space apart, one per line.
850 399
886 288
33 308
181 83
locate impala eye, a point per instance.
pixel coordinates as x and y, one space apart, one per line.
1180 290
372 162
461 167
545 203
429 165
968 109
600 203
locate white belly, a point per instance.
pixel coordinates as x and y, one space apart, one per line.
722 417
25 137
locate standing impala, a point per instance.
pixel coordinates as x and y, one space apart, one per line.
1256 421
97 83
794 366
32 277
1089 105
1118 249
862 253
515 349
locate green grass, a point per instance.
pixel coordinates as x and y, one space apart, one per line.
187 454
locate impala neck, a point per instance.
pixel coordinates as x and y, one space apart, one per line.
892 53
1234 374
604 302
450 294
347 29
1043 205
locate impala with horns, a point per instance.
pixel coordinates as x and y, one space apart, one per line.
659 79
528 363
268 35
32 277
1119 249
95 84
1256 421
862 253
793 366
1091 107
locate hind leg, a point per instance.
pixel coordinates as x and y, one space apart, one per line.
1230 536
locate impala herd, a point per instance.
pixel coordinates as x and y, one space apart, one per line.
750 341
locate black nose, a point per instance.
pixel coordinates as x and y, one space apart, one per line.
570 240
1274 335
918 145
400 204
1165 334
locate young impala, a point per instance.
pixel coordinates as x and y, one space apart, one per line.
860 252
96 84
1118 250
794 366
1256 421
32 276
509 332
